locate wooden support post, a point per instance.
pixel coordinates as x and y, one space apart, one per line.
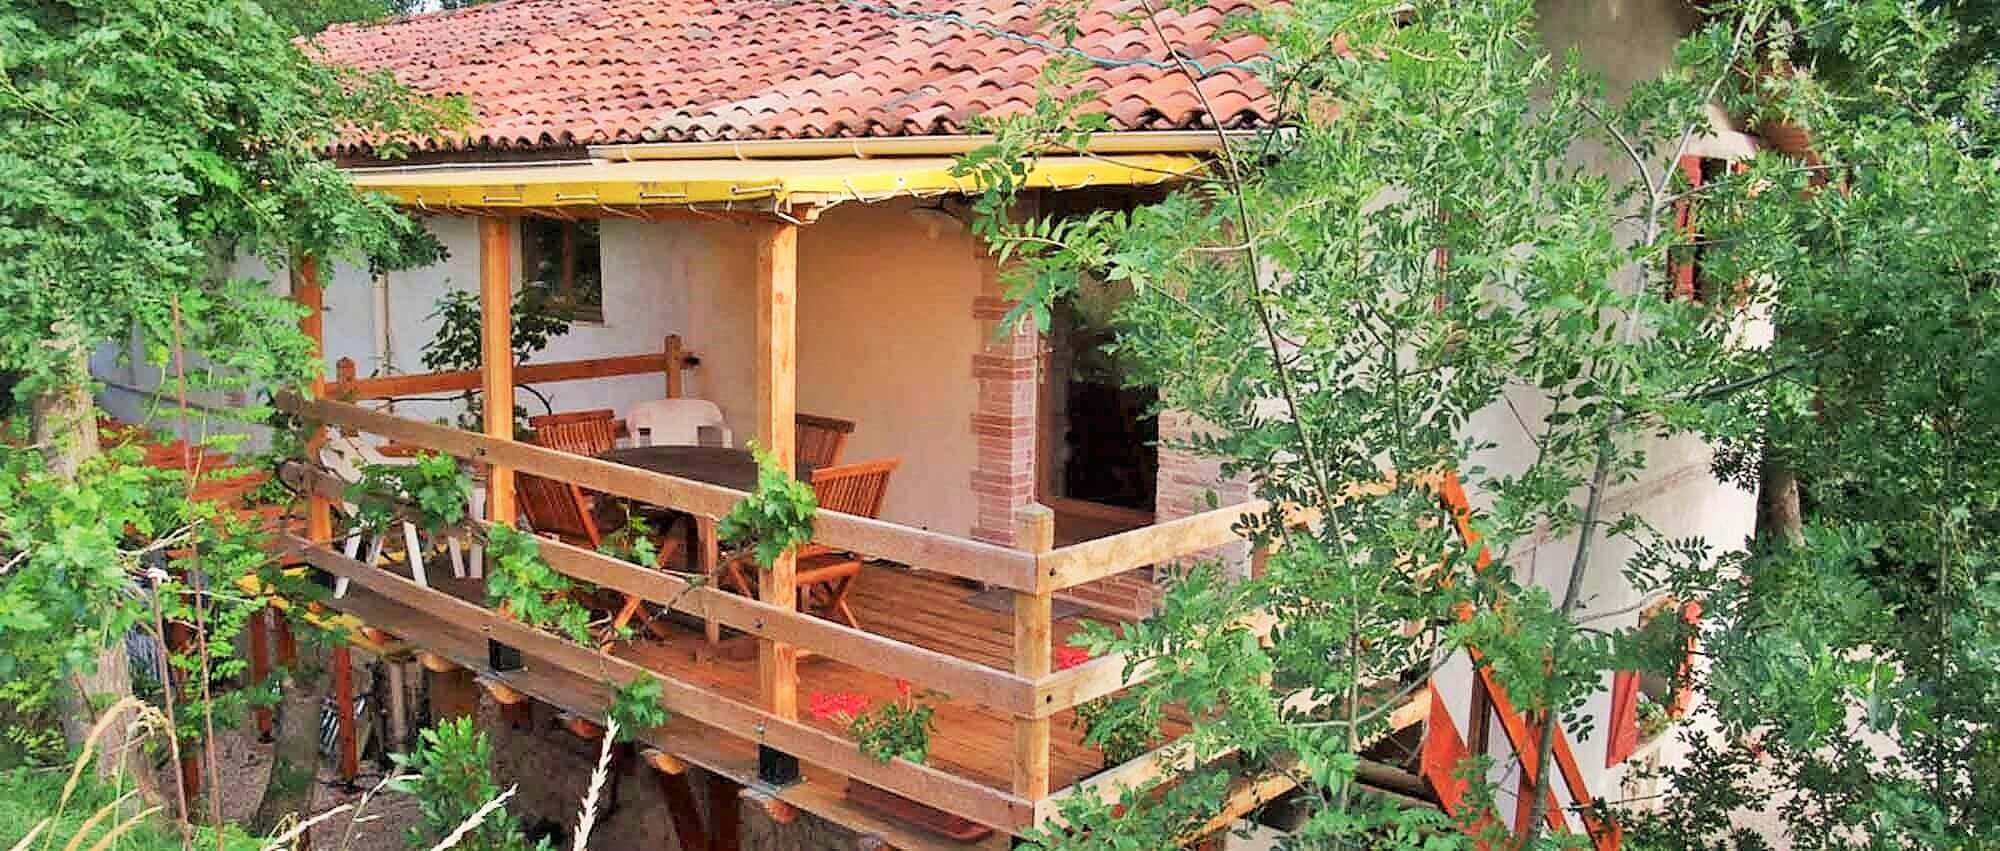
343 714
260 666
496 337
674 358
777 362
1034 649
306 291
725 814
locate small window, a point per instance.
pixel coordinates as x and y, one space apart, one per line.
563 258
1687 277
1644 704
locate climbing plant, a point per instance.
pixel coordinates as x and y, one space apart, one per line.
774 518
522 585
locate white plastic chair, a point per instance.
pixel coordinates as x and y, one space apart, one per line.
676 422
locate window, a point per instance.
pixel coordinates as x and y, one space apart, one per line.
1643 704
563 258
1685 278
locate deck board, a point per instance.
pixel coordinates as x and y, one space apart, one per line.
916 608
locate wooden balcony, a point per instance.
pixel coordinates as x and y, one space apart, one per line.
1005 750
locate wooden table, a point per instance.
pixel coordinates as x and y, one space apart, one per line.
735 469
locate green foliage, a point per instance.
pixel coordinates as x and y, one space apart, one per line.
131 158
1421 276
450 775
632 542
773 519
456 344
636 707
899 729
1122 730
436 487
523 585
29 795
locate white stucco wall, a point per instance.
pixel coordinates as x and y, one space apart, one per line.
886 334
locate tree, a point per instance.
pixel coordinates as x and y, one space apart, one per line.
1419 267
142 143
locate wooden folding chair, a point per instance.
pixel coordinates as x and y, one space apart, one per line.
581 432
562 511
819 440
825 575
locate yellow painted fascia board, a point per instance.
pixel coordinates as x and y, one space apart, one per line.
751 183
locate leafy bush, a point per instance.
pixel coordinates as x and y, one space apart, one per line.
436 486
449 777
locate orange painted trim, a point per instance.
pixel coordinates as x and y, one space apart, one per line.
1623 727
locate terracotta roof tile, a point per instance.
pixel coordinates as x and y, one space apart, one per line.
562 72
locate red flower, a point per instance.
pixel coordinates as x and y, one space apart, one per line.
840 706
903 688
1068 657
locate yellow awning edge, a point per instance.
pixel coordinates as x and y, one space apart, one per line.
751 183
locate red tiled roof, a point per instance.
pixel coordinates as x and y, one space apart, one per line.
546 73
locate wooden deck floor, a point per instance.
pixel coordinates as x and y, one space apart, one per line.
913 608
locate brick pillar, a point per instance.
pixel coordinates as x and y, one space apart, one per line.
1186 479
1003 422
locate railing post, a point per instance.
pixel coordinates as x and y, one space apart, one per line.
777 387
1034 650
496 337
674 358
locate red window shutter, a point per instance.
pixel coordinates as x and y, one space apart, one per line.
1624 724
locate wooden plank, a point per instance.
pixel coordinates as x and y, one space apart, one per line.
918 548
932 786
496 358
958 677
688 833
343 713
777 405
675 360
1095 559
1035 531
388 386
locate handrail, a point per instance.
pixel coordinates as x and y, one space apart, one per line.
932 551
965 797
1076 564
670 361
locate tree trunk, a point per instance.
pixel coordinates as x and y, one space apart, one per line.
295 757
65 429
1780 498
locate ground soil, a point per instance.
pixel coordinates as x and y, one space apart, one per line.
245 767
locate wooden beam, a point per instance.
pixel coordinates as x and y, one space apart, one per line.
1033 651
940 553
306 291
586 369
681 808
343 713
777 387
496 347
725 813
1101 557
259 628
429 614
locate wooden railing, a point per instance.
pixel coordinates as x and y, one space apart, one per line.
1030 692
670 362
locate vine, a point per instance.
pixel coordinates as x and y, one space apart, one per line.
522 585
774 518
